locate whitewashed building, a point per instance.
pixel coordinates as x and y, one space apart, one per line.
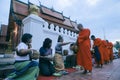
48 23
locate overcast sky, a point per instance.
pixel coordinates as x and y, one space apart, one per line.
102 17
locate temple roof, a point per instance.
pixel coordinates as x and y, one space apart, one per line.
19 10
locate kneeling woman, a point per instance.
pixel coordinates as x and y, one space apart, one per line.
45 65
25 69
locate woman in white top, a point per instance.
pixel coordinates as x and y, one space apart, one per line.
25 68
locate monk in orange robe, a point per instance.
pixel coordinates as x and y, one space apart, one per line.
84 57
110 49
97 43
106 52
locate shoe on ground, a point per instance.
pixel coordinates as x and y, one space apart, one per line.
57 74
64 72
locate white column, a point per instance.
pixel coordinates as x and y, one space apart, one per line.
33 24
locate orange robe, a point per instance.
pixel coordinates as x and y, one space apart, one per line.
98 43
110 47
106 52
84 57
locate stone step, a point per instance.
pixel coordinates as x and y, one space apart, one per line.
4 61
6 64
7 69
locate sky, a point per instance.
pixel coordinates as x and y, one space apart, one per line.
102 17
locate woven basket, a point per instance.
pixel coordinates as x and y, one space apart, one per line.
35 55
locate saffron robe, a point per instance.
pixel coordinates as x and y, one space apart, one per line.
98 43
84 57
110 47
106 52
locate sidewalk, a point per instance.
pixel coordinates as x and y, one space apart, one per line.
110 71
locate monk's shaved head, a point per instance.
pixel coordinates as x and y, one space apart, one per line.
80 26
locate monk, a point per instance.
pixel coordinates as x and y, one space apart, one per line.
84 57
110 50
106 52
99 51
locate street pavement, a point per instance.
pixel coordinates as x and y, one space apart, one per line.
109 71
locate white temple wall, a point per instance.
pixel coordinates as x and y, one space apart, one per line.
40 30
